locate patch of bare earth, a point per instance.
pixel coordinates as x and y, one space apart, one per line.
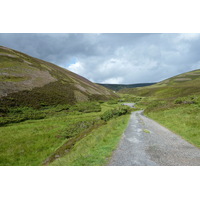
183 79
34 78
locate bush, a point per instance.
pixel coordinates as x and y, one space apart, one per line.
109 114
86 107
178 101
21 118
76 128
21 114
111 102
157 106
186 100
3 110
60 108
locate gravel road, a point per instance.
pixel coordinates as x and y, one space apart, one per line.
147 143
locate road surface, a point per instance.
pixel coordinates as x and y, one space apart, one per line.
147 143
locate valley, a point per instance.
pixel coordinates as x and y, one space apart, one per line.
52 116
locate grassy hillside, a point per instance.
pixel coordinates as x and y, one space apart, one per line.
28 81
117 87
177 86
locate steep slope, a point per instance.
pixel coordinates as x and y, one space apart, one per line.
29 81
177 86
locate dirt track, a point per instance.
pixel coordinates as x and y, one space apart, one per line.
147 143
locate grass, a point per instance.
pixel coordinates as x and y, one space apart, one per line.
146 131
183 120
96 148
32 141
171 87
180 113
12 78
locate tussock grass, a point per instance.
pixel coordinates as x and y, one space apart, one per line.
146 131
96 148
32 141
182 116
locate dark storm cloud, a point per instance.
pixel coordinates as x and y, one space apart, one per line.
53 47
113 58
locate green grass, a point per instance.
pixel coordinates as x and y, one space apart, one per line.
31 142
174 103
96 148
146 131
182 120
170 88
12 78
181 115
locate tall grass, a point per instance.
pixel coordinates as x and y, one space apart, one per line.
96 148
181 115
32 141
183 120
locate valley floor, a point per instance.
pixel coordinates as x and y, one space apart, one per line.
38 137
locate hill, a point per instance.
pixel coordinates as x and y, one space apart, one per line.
117 87
28 81
178 86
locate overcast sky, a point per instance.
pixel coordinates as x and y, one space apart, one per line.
113 58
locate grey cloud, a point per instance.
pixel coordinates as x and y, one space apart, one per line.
123 58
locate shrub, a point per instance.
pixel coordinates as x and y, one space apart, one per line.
76 128
109 114
86 107
3 110
157 106
186 100
178 101
114 101
60 108
21 114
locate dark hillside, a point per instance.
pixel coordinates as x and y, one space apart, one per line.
117 87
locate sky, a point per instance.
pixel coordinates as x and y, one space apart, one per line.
117 58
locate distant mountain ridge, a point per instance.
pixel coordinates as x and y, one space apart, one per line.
28 81
117 87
